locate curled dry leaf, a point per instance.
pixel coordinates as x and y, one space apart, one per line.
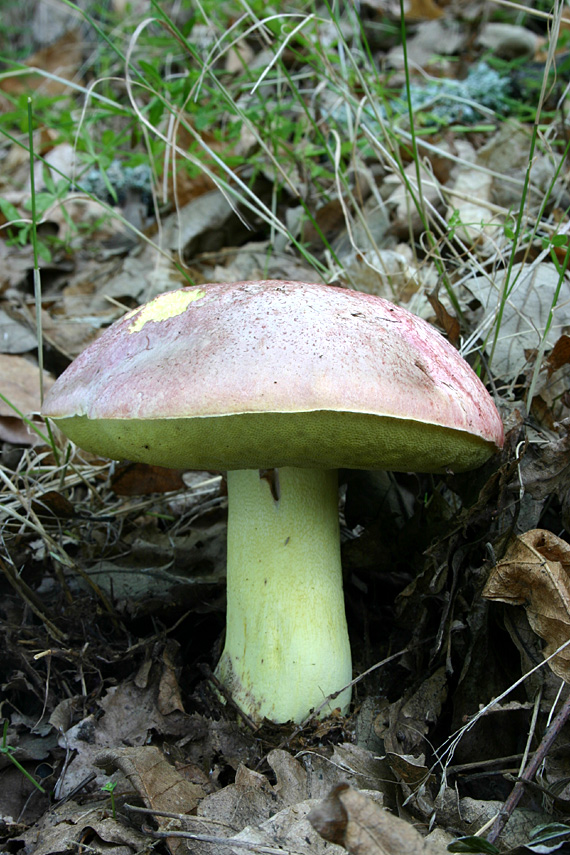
405 724
449 322
535 572
547 472
351 819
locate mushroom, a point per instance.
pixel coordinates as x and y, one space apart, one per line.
279 383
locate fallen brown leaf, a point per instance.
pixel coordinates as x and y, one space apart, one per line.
152 776
559 355
288 832
422 10
169 699
250 800
327 220
20 385
159 784
53 504
547 471
404 725
414 10
349 818
411 772
15 336
449 323
535 572
141 479
61 59
65 828
253 810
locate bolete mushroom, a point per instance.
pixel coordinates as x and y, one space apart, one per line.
280 383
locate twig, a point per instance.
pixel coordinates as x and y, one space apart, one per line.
29 596
80 786
169 814
204 838
221 689
224 841
505 814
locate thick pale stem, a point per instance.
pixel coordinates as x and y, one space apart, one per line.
287 644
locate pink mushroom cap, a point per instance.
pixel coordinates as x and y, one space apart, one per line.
267 374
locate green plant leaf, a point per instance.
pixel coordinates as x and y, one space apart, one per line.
474 845
152 73
556 833
44 252
9 211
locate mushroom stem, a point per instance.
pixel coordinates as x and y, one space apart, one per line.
287 644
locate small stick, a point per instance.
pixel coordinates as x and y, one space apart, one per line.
209 675
505 814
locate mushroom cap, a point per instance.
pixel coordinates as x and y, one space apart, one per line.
273 373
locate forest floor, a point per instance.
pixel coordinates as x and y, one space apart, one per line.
421 158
